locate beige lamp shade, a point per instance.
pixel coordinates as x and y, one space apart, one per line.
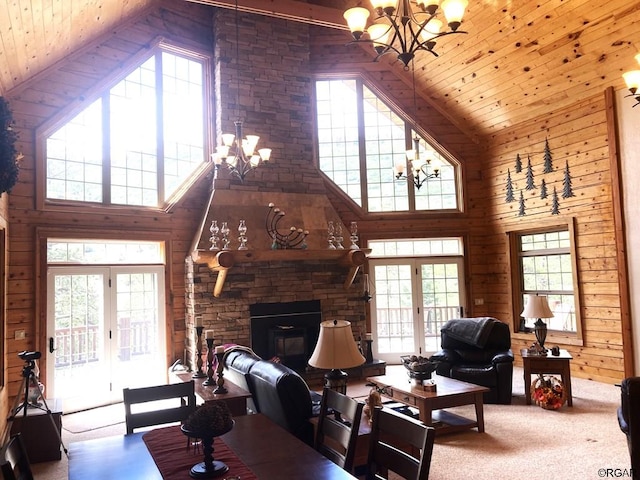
537 307
336 347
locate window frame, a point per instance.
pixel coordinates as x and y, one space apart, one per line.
409 126
517 281
101 89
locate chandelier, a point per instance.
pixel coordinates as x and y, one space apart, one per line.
238 154
398 28
420 169
632 79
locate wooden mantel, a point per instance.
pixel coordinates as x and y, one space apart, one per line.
222 261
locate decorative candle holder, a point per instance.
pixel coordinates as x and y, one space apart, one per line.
339 238
369 356
199 372
214 229
242 231
354 236
224 231
220 372
331 236
209 380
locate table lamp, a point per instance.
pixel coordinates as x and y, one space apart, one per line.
336 349
538 307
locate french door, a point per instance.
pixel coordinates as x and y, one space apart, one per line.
106 331
412 299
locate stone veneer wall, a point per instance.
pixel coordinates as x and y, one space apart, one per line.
275 103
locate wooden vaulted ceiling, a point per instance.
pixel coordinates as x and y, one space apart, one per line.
520 58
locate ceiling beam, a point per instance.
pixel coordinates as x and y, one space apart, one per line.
285 9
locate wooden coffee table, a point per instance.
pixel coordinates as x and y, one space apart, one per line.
449 393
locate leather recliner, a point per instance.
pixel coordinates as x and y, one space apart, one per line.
479 352
629 419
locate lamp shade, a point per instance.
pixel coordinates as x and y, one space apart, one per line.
537 307
336 347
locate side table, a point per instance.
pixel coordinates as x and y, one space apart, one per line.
540 364
40 439
235 398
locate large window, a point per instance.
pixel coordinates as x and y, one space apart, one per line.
546 266
138 142
361 138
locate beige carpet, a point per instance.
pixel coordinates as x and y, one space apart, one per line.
520 442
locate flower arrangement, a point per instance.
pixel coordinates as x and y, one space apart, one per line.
549 393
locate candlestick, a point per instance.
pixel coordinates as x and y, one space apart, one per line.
369 357
198 321
220 382
208 334
199 372
209 380
219 349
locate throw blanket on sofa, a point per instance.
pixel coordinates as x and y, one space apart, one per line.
474 331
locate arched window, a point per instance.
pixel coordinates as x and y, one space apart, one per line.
139 141
360 141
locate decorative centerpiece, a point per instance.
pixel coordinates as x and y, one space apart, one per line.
210 420
418 368
549 393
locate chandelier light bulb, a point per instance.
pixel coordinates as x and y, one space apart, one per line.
428 5
637 57
228 138
453 12
431 30
265 154
357 20
379 34
632 79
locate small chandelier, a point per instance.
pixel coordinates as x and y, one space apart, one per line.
238 154
419 169
401 29
632 79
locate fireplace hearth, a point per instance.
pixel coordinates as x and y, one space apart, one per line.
288 331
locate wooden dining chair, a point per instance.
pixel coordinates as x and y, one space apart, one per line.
15 461
400 444
137 414
338 425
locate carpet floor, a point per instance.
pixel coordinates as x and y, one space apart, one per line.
520 442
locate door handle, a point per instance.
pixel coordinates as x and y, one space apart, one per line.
51 349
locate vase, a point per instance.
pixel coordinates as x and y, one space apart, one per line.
540 329
209 468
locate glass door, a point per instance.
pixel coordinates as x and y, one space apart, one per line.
106 331
412 299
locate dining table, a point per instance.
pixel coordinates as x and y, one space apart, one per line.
255 447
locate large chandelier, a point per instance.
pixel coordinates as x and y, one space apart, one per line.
238 154
632 79
398 28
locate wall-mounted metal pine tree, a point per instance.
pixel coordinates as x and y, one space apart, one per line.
543 189
9 156
548 164
509 198
518 163
555 204
530 185
521 209
567 191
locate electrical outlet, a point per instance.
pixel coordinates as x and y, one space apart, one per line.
20 335
478 301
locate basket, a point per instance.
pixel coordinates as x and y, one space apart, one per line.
548 393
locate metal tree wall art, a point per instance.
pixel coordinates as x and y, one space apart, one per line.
555 204
543 189
548 164
567 190
521 210
295 238
518 163
509 198
530 183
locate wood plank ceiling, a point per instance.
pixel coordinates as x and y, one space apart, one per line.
519 60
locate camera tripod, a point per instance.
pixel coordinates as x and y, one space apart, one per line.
29 378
